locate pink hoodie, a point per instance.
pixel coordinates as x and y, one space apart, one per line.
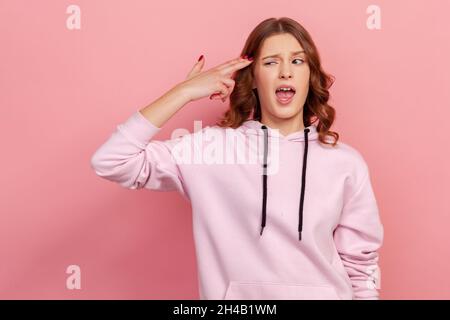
303 226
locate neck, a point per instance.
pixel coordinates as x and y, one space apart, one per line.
285 126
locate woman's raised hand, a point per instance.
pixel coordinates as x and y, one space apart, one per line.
216 82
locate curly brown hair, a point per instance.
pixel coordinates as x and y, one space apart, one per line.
244 100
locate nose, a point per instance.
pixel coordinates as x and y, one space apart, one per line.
285 75
285 72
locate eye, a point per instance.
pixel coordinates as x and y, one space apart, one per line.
268 63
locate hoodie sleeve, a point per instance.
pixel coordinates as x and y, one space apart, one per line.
132 159
358 237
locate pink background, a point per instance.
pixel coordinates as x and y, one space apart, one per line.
63 92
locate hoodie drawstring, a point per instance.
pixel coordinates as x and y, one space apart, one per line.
302 193
263 222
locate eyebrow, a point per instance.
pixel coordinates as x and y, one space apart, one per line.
278 55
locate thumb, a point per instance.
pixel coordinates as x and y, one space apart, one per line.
197 68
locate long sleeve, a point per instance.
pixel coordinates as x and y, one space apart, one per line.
132 159
358 237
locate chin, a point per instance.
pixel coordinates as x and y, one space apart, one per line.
286 112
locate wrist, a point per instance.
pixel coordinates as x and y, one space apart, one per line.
182 93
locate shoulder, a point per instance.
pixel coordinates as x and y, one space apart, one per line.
215 130
198 138
351 153
349 158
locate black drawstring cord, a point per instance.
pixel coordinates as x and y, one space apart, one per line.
263 222
302 193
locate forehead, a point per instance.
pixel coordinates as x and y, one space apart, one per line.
280 43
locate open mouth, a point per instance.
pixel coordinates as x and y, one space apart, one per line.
285 94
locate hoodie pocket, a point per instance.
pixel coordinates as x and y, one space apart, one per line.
238 290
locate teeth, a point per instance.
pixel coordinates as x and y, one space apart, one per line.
285 89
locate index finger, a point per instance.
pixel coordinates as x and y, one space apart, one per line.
236 66
231 62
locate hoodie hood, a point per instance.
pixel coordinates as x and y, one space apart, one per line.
304 136
293 136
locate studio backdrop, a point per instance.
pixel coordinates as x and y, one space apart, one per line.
72 71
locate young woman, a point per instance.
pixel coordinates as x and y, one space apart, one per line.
300 222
